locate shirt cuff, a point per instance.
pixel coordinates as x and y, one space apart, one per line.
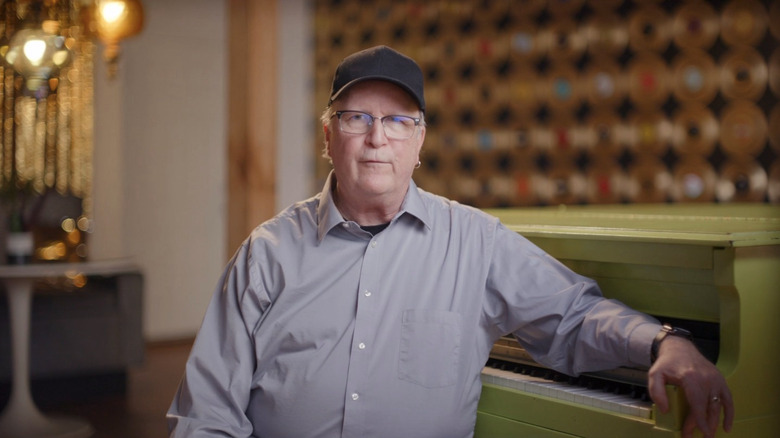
640 342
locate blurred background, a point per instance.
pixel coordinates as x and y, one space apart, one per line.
203 122
530 103
209 123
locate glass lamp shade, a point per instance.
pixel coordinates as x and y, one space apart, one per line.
37 55
115 20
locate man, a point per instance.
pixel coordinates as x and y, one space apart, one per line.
369 310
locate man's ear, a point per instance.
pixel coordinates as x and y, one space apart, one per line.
326 131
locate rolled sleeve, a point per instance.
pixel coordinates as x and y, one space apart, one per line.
640 342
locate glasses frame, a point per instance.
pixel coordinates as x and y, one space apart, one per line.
382 119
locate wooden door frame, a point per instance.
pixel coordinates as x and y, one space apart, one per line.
252 116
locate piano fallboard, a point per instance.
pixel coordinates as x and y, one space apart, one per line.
716 267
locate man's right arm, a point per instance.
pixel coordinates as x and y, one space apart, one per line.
214 393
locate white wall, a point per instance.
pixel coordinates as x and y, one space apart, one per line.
160 152
295 160
169 144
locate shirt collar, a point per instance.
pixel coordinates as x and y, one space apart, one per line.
329 216
415 206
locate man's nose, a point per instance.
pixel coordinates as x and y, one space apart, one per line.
376 134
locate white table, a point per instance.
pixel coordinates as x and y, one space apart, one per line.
21 417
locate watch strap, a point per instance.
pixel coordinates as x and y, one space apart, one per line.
667 330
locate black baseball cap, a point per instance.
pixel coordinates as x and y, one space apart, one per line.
382 63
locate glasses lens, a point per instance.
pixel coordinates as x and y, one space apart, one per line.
396 127
399 127
353 122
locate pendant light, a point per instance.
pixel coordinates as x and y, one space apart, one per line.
37 52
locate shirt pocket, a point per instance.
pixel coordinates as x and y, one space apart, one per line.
430 347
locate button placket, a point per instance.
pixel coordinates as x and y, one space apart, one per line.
363 333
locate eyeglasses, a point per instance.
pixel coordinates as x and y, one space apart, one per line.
396 127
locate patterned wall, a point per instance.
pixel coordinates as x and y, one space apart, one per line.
544 102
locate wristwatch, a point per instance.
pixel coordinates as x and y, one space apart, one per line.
667 330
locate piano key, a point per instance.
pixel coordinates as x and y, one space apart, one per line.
620 403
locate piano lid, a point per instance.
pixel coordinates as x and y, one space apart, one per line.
721 225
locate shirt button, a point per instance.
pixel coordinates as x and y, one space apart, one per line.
367 293
355 396
345 224
373 244
362 346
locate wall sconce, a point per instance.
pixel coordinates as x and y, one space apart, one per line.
112 21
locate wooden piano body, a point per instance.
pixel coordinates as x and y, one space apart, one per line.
713 266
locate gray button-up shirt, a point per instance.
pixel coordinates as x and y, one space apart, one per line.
320 329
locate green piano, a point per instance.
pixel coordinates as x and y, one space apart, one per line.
713 268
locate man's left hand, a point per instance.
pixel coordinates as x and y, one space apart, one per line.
680 363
